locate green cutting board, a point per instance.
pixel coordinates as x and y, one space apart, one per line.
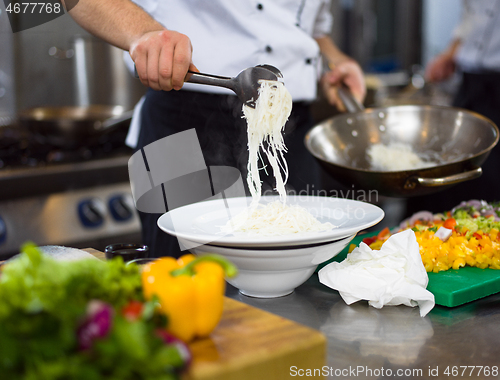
452 287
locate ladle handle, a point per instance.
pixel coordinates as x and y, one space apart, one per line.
211 80
350 102
202 78
444 181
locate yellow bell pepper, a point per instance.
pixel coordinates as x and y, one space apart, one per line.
190 291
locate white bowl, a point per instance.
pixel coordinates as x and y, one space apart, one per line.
201 222
274 272
269 266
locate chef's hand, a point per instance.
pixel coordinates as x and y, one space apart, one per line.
162 59
443 66
346 72
440 68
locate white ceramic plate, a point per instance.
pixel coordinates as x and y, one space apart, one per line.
201 222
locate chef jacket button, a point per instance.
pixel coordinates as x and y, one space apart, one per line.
269 49
308 61
260 7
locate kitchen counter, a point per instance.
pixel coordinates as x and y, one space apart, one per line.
393 342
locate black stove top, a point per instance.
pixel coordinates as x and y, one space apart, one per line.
19 150
31 168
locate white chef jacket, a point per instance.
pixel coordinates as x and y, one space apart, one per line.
479 31
231 35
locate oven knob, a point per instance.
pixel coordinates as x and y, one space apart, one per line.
3 231
91 212
121 207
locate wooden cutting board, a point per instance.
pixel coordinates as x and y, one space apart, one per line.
252 344
249 343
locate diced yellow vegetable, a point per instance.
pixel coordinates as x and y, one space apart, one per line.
458 263
481 250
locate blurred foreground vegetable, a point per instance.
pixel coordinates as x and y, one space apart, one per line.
83 319
190 291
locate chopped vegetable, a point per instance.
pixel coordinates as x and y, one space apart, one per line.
384 233
468 235
190 291
370 240
458 251
475 208
443 233
450 223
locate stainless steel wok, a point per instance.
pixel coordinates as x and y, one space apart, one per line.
461 141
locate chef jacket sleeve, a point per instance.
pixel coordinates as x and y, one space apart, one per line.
324 20
463 29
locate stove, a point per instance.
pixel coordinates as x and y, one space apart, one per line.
77 197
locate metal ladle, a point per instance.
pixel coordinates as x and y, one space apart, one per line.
245 84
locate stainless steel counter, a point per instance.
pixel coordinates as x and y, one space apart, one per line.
393 342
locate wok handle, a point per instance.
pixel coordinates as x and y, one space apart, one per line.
113 121
444 181
350 102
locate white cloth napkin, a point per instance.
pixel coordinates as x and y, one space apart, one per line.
393 275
